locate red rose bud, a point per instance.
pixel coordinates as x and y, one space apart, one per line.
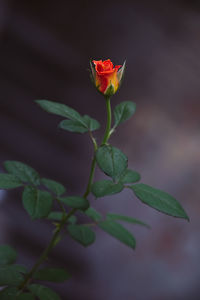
106 77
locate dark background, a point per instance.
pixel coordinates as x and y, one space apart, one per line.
44 54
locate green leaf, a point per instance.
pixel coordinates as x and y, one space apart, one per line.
60 109
126 219
106 187
10 276
123 112
111 161
7 255
43 292
8 293
78 126
130 176
82 234
93 214
52 274
19 268
119 232
159 200
54 186
73 126
91 124
72 220
25 296
22 171
36 202
76 122
9 181
75 202
57 216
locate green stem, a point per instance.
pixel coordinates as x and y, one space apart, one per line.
94 141
105 139
61 207
88 189
45 253
109 120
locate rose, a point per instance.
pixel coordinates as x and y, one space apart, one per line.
106 77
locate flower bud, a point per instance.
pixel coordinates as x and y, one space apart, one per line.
106 77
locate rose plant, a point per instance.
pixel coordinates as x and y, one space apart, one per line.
46 198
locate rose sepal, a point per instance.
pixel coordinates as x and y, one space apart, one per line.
92 72
110 91
120 73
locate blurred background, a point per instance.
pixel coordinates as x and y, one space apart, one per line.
45 48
